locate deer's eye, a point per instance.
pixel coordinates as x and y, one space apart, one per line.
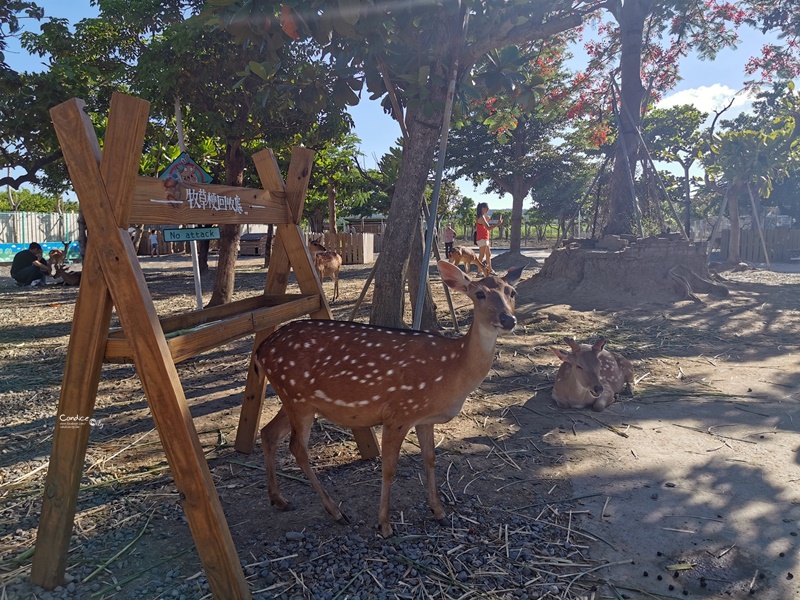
580 368
480 295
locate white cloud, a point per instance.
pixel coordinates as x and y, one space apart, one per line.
708 98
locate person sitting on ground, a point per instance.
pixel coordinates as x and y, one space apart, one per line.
28 266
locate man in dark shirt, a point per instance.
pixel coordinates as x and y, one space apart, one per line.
28 267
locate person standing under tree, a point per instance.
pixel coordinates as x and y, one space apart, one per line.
153 243
28 266
482 229
449 238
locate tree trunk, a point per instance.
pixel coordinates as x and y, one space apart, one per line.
423 124
415 266
268 245
230 234
316 219
631 17
202 255
688 198
736 232
332 207
423 129
81 234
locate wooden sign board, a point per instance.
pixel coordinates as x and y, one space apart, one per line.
171 202
194 234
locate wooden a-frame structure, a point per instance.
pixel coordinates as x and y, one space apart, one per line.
112 196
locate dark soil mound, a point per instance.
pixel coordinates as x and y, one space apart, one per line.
616 271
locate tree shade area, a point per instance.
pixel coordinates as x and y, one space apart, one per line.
250 74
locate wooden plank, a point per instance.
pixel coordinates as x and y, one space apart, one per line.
153 360
218 334
90 322
277 279
215 313
156 202
91 319
289 251
211 335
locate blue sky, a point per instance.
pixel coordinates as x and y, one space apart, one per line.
707 85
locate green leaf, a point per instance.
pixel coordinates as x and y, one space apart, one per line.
343 94
258 69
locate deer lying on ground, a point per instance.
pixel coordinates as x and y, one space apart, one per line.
361 376
591 376
68 277
460 254
327 263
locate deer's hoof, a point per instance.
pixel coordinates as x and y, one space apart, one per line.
342 519
386 531
444 522
280 503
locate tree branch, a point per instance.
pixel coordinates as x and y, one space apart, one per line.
376 182
30 175
508 34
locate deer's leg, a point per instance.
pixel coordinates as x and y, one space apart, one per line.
298 444
335 285
271 435
425 436
605 399
627 373
391 440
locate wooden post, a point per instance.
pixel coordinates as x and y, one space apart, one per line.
90 325
152 356
288 251
111 195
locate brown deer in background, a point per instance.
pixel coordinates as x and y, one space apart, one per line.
327 263
68 277
591 376
56 258
461 254
361 376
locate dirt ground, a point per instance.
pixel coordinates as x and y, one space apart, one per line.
689 489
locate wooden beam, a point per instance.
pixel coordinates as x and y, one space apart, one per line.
211 335
288 252
166 202
152 356
90 323
193 318
277 279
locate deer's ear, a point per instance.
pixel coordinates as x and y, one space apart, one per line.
563 356
599 345
572 344
453 276
513 275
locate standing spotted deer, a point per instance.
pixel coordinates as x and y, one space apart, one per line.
327 263
591 376
460 254
361 376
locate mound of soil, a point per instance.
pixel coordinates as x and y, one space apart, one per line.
616 271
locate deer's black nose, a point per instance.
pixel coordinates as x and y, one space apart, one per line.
598 389
508 322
